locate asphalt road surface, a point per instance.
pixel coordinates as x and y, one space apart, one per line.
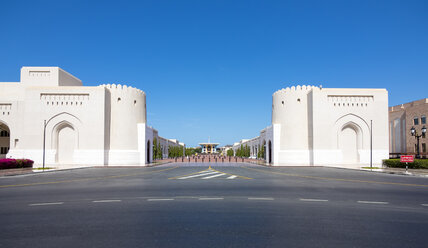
222 205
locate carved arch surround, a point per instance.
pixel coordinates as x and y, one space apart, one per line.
57 122
355 122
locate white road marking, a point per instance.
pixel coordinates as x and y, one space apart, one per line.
212 198
260 198
372 202
217 175
158 199
46 204
425 205
102 201
314 200
198 175
231 177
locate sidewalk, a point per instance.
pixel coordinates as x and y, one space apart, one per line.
402 171
14 172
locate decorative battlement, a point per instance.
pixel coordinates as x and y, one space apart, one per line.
5 108
350 100
64 99
297 88
122 87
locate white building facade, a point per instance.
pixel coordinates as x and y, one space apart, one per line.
93 126
320 126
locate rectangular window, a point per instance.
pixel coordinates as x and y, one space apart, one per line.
423 119
416 121
424 147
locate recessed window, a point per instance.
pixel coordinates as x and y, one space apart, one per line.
4 134
4 150
423 119
416 121
135 102
424 147
298 99
118 99
282 103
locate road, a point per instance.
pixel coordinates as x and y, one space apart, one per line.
213 205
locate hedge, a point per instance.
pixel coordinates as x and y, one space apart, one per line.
395 163
9 163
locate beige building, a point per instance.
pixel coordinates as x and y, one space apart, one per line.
401 119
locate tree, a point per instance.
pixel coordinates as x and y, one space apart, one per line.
230 152
155 148
261 153
175 151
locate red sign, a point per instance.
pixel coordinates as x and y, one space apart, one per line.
407 158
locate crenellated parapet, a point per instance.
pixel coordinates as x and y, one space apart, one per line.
290 103
128 109
126 89
295 89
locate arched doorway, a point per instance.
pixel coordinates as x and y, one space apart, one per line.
348 143
270 152
4 140
66 143
148 152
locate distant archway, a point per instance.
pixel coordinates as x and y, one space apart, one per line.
4 139
270 152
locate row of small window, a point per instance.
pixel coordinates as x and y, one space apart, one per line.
424 148
4 134
4 150
423 120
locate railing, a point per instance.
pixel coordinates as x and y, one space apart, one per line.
211 159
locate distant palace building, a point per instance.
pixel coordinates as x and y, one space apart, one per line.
208 148
401 119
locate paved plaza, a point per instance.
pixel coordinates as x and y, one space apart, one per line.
213 205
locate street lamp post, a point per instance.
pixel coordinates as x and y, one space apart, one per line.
44 144
415 133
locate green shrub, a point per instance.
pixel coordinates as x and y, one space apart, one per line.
395 163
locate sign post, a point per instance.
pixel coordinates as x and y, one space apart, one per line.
407 159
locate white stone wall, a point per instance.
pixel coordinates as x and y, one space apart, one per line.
104 125
316 126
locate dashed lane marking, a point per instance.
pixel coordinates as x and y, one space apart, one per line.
425 205
85 179
334 179
372 202
46 204
313 200
106 201
260 198
158 199
231 177
210 198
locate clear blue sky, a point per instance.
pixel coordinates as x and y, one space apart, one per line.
209 68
